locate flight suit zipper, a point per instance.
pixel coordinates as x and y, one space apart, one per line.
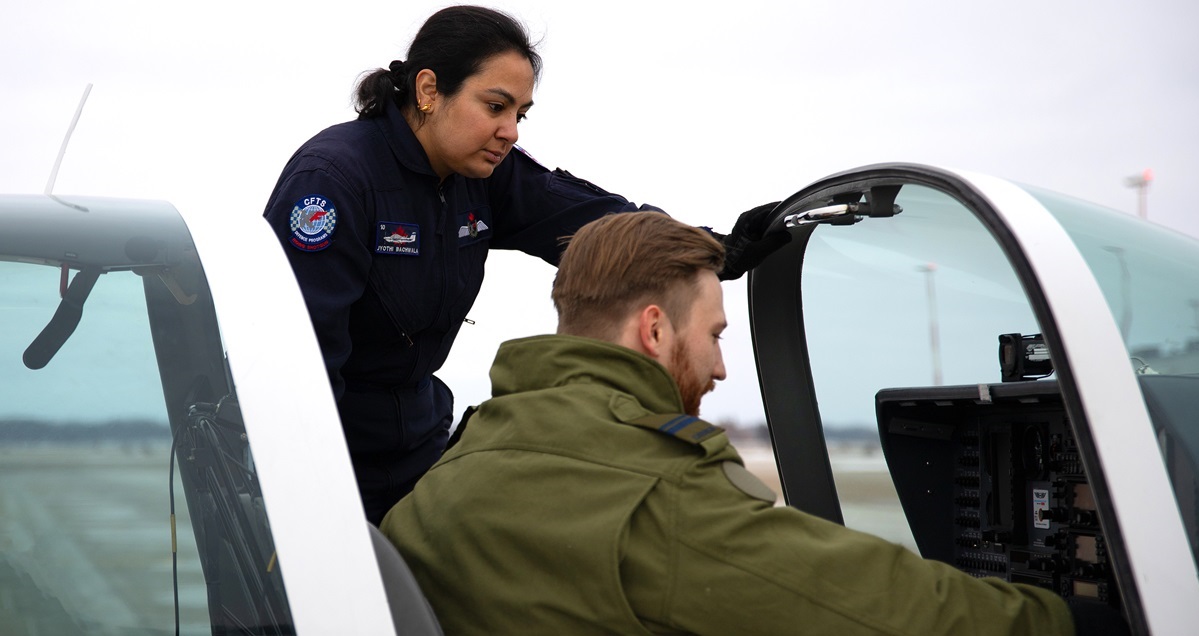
450 254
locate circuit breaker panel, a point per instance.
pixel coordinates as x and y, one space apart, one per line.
992 482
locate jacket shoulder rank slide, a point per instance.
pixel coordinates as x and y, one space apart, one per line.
685 427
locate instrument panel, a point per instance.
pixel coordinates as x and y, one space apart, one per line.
992 482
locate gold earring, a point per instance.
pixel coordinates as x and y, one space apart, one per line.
424 108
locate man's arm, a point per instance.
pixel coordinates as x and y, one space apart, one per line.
740 565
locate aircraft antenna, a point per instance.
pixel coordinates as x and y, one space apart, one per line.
63 150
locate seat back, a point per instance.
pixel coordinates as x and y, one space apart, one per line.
410 611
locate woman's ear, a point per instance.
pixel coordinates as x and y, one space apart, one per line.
426 87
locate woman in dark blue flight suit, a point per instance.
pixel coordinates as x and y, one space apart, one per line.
387 221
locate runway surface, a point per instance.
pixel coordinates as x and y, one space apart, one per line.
85 539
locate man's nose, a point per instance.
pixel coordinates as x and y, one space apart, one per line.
718 372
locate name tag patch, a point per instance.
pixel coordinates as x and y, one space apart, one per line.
397 238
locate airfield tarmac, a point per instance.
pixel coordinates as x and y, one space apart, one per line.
85 539
868 499
85 543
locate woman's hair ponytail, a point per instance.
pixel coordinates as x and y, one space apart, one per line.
453 43
379 85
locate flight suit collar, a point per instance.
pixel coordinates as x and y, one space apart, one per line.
541 362
403 142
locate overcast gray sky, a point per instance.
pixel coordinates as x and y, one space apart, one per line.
702 109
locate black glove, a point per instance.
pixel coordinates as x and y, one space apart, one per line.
748 244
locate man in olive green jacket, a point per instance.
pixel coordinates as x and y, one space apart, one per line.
586 497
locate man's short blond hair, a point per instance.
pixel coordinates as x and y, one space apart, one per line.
619 263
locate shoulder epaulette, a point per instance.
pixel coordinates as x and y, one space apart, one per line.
685 427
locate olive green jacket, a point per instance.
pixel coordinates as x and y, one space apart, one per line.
565 510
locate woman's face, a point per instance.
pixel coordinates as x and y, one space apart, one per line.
471 133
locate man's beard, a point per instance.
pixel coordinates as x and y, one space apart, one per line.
691 387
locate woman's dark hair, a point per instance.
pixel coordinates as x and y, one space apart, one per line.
453 43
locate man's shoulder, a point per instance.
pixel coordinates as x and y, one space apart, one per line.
687 428
589 424
627 410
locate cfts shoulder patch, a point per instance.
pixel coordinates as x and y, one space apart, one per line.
313 220
397 238
685 427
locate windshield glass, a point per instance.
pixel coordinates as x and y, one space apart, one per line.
128 492
917 300
1150 278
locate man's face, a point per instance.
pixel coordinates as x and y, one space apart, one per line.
695 360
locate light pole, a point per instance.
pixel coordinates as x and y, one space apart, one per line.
934 335
1141 183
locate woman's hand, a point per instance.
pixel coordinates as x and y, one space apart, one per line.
748 244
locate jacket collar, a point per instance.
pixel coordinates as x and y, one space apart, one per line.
542 362
403 142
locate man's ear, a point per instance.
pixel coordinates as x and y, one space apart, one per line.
655 332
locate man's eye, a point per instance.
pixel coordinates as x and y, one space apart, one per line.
495 108
521 117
